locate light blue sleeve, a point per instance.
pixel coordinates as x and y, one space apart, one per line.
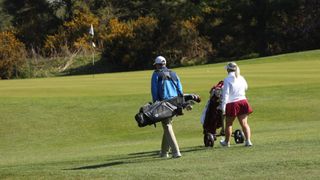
179 85
154 87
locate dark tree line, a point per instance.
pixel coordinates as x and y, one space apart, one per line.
130 33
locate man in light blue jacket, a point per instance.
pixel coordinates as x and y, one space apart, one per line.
165 84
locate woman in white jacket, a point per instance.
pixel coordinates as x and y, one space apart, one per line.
235 104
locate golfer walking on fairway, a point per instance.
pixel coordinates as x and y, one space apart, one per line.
235 104
162 88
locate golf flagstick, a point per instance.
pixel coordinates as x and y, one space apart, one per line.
93 60
91 33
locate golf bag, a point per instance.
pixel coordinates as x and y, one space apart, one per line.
151 113
213 119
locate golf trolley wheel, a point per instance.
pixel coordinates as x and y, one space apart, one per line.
238 136
208 140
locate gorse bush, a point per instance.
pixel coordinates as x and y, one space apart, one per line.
133 44
128 45
12 55
72 34
117 29
196 49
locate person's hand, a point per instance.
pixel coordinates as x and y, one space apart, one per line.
221 109
189 108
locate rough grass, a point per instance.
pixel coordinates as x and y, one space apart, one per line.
82 127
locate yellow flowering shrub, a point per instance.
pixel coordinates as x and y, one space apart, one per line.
74 34
196 48
119 29
147 23
192 23
127 41
82 43
12 55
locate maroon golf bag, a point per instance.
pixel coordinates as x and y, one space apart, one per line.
213 118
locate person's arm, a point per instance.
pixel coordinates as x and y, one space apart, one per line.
179 85
225 95
245 83
154 87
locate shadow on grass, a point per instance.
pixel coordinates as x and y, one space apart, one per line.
183 150
98 166
138 157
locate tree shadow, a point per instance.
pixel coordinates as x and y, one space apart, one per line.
137 157
100 66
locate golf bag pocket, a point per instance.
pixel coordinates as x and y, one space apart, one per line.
152 113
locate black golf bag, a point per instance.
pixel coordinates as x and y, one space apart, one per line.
152 113
213 119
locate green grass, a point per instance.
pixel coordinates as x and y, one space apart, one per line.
82 127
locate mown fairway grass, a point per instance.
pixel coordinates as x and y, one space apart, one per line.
83 127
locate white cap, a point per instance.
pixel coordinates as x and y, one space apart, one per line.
160 60
231 66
